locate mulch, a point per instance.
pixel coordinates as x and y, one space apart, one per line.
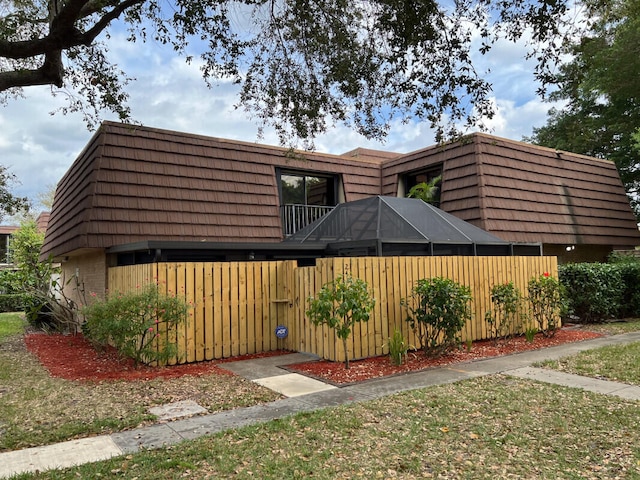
381 366
72 357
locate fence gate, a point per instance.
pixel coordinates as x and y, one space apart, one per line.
235 307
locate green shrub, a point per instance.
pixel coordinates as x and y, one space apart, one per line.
11 281
548 303
32 276
594 291
341 304
506 317
438 310
11 303
131 322
630 296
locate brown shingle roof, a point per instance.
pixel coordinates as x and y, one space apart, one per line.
134 184
526 193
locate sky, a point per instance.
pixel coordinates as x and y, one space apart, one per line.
38 148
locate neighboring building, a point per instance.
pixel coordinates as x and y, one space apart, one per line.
138 194
5 244
6 231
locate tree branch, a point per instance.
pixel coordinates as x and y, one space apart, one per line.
63 33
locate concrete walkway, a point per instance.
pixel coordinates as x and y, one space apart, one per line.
305 394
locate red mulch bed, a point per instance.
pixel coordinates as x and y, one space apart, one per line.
72 357
375 367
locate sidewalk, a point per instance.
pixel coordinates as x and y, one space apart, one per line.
305 394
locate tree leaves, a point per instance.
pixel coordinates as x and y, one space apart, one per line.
302 65
600 86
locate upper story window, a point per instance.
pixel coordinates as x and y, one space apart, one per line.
430 178
307 189
305 197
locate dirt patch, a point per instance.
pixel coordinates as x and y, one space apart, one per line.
72 357
376 367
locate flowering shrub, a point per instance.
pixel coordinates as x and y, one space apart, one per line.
548 303
438 310
131 322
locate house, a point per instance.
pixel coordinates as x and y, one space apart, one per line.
6 232
137 194
5 244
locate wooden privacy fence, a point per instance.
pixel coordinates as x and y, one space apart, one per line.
237 306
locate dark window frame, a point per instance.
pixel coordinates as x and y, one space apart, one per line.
410 179
333 184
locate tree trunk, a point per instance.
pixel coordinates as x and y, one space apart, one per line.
346 353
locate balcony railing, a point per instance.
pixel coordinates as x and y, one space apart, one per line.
296 217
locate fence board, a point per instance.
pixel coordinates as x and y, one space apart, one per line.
236 306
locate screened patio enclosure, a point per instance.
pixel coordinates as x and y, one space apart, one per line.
386 226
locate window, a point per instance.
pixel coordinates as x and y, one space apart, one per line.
5 249
303 189
424 176
305 197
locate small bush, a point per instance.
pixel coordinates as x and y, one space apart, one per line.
398 347
132 321
594 291
438 310
11 281
340 305
548 303
506 317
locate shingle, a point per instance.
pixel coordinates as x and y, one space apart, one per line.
134 182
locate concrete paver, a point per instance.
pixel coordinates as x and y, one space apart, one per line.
171 411
312 396
604 387
59 455
293 384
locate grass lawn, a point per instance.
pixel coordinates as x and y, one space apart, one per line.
36 409
620 363
11 324
615 328
615 362
490 427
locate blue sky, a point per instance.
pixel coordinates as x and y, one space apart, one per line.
39 148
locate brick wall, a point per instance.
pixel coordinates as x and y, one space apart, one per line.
86 272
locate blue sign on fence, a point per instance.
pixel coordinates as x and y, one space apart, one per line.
282 331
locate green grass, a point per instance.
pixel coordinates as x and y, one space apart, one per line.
614 362
487 428
617 327
36 409
11 324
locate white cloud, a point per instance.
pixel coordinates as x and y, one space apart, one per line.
170 94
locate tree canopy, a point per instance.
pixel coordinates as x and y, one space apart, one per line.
600 85
302 65
10 204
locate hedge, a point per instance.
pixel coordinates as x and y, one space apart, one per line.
12 303
601 291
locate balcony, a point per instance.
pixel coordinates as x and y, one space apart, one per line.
296 217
